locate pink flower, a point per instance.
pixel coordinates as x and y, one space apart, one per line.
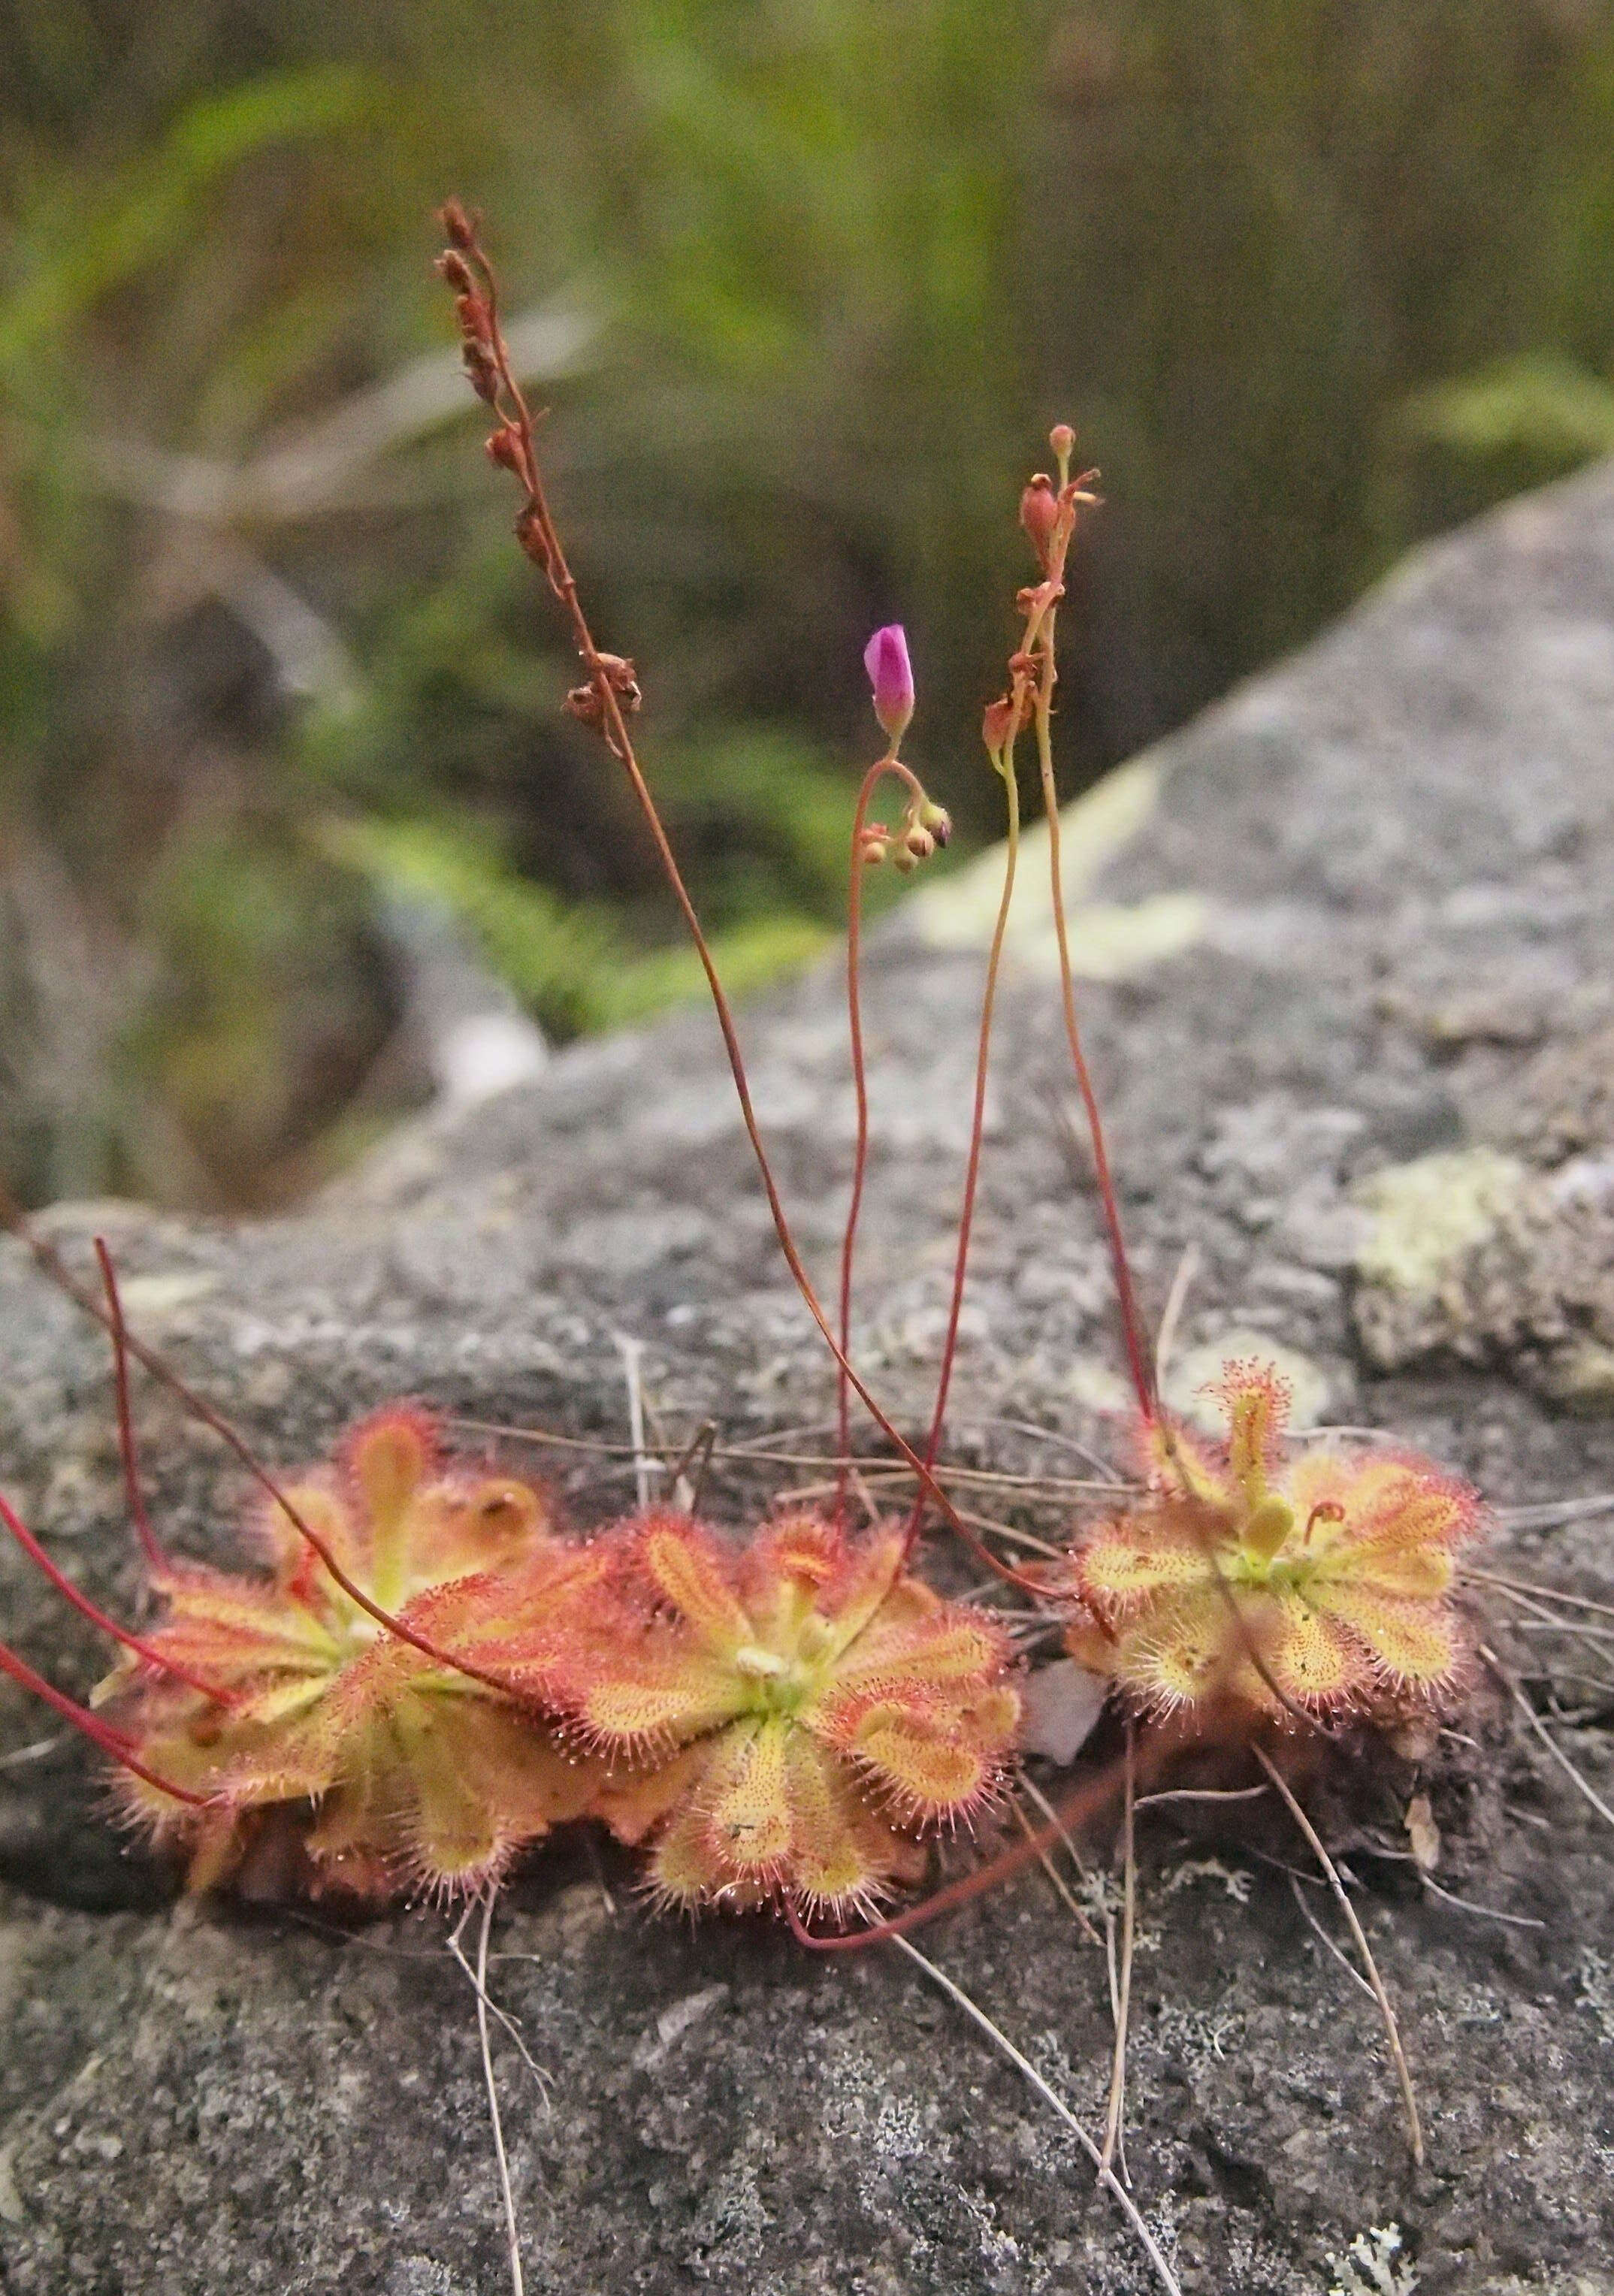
892 674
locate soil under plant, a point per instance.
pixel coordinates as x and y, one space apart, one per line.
1363 921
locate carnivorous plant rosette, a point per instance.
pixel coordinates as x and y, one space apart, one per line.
336 1755
795 1716
1321 1579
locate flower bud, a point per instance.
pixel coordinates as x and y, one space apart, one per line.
1062 438
902 860
938 820
919 843
892 676
457 224
480 371
453 268
530 534
504 448
471 311
1039 513
876 848
622 679
997 723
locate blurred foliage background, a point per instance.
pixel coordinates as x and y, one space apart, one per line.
804 282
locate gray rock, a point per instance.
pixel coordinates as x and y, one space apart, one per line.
1358 917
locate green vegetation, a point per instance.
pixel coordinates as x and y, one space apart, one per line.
808 282
570 962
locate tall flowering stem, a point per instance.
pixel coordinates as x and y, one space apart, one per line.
151 1545
605 702
1049 519
1003 761
1053 535
863 842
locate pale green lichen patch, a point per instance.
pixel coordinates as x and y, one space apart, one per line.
1096 1387
1581 1376
1429 1214
1373 2265
161 1294
1112 941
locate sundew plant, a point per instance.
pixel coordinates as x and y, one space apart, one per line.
431 1672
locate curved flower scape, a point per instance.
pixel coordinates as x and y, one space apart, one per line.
1320 1582
337 1756
792 1717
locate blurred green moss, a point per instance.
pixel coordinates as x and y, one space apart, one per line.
1517 423
571 964
269 996
827 275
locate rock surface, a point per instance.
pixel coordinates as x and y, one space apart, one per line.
1358 918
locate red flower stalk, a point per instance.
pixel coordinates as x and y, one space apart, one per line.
606 701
